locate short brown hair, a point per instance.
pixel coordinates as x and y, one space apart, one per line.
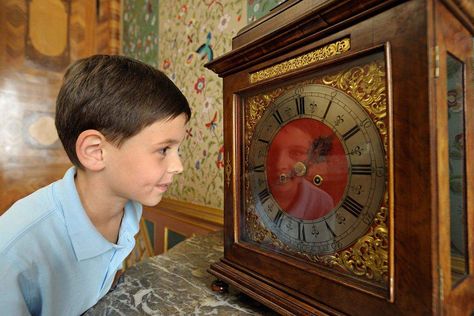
116 95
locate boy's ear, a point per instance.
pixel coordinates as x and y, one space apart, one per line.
89 147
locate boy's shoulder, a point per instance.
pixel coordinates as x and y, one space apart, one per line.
25 213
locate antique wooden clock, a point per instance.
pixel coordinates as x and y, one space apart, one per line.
349 141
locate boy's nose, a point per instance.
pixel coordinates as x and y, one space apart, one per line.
176 166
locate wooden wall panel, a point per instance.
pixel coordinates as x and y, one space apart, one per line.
108 27
181 218
31 155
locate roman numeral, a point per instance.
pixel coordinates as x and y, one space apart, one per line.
264 195
277 117
352 206
351 132
278 218
299 105
362 169
301 233
330 229
327 110
258 168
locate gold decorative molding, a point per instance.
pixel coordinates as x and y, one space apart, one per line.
317 55
257 231
256 106
368 257
366 83
228 170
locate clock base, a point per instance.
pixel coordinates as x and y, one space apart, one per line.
281 299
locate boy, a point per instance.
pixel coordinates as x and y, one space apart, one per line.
121 123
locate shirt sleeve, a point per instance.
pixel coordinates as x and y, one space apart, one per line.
15 288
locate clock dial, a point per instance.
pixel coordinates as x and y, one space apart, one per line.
316 169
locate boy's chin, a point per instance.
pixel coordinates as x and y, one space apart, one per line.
151 202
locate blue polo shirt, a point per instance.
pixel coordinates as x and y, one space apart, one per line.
53 261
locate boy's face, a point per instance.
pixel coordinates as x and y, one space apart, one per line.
142 169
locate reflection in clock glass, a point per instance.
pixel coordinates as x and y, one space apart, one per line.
307 169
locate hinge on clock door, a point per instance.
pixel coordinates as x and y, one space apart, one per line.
436 70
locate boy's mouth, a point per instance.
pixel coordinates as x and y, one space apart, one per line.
164 186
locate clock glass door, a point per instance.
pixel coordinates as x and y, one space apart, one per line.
455 101
316 168
457 169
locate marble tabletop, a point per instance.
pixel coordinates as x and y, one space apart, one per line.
177 283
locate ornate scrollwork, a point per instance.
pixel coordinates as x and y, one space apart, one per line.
255 229
368 257
319 54
257 232
256 106
367 85
228 170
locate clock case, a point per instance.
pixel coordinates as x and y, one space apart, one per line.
416 37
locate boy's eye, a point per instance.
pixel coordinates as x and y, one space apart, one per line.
163 150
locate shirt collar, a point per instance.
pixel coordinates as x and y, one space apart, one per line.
86 241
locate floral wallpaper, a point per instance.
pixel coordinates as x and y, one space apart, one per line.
140 30
258 8
193 33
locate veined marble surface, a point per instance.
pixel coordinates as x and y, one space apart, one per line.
177 283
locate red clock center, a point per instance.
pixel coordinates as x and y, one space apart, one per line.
307 169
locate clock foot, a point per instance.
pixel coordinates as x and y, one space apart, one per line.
220 287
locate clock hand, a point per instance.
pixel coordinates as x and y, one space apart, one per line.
319 148
299 170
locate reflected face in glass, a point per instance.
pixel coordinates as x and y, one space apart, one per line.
306 169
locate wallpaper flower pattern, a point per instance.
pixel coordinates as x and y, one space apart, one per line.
193 33
140 30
